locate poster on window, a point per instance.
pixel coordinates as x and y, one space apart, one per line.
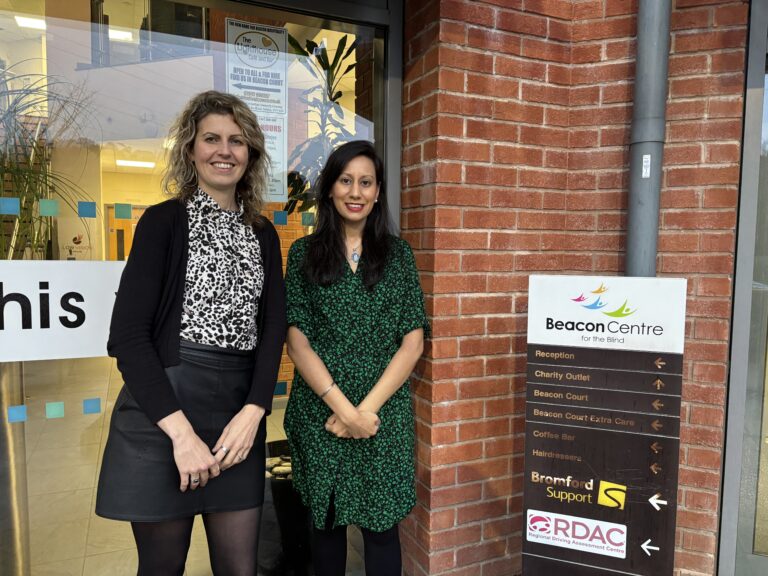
275 141
256 65
257 73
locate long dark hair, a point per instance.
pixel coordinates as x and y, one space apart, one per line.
326 252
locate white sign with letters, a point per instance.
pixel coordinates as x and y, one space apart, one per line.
613 312
51 310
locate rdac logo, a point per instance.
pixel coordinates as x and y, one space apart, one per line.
583 534
539 524
597 303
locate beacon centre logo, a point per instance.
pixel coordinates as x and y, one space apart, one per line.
595 328
598 300
575 533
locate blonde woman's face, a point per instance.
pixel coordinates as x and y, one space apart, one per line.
220 154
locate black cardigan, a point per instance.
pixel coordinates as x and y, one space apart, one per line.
146 319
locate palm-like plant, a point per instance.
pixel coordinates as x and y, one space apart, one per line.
325 113
35 111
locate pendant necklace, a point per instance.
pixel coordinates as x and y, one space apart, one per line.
355 257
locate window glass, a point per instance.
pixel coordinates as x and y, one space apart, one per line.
88 90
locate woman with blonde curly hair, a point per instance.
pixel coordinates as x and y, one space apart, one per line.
197 329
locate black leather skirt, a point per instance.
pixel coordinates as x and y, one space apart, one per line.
139 480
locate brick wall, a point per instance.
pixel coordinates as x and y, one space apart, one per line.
515 160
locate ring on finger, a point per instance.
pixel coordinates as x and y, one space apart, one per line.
224 450
195 480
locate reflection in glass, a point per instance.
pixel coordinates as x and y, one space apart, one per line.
758 377
103 90
88 89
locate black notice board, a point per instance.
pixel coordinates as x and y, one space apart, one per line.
602 450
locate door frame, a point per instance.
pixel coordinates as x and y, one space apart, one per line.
733 533
386 14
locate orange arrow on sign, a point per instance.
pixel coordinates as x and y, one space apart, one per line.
655 468
659 363
658 383
656 447
657 404
656 425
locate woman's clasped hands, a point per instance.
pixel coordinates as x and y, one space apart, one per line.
196 463
357 424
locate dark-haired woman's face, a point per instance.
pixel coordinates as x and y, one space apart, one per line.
356 191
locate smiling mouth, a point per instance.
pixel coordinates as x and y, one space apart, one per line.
223 165
354 207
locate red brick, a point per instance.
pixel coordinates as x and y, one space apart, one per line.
488 85
520 68
482 511
487 428
688 64
546 50
465 59
700 41
494 41
702 175
687 19
601 73
728 61
484 387
467 12
484 551
712 85
555 8
454 537
522 23
455 494
518 112
733 15
603 29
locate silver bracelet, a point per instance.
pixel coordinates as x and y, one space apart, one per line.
327 390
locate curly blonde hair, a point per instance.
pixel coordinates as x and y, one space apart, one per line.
180 179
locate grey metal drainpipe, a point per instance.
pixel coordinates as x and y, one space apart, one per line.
647 143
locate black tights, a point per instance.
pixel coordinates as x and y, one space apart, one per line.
329 550
233 541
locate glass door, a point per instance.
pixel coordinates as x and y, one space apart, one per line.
744 526
88 89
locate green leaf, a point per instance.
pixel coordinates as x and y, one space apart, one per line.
296 46
339 49
322 57
351 48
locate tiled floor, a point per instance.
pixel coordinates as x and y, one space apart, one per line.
63 457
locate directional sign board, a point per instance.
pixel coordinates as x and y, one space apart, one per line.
605 364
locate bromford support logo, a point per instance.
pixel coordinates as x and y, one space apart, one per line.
597 301
583 534
570 490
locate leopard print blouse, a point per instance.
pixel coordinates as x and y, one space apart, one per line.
225 276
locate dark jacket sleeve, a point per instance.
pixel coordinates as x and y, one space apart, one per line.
272 321
133 326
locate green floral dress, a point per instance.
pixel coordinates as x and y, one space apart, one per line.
356 332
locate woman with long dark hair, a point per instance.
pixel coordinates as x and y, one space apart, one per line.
356 329
197 329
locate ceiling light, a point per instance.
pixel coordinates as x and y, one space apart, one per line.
25 22
134 164
120 35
